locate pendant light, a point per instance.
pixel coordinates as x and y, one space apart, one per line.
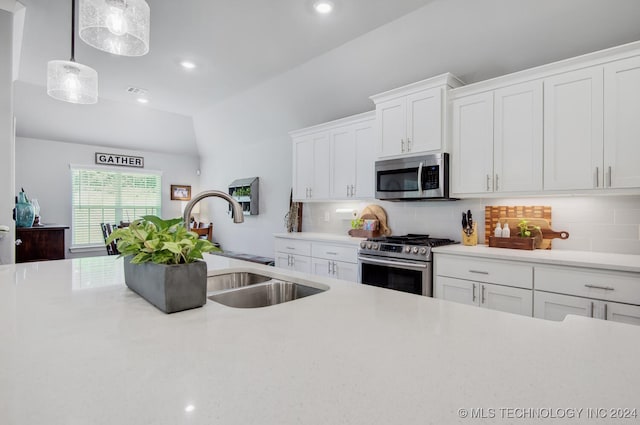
70 81
120 27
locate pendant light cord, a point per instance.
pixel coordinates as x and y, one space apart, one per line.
73 30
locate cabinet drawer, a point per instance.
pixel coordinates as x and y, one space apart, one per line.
344 253
591 283
293 246
506 273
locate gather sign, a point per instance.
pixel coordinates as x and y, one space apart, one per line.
119 160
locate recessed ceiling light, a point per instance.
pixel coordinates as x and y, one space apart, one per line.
323 6
188 65
142 100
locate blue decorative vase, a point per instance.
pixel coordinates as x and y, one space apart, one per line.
25 213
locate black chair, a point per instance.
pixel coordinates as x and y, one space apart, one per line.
107 229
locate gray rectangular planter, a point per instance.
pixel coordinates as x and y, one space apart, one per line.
171 288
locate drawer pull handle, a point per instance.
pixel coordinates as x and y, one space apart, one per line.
606 288
332 253
289 247
605 312
591 308
474 293
478 272
483 289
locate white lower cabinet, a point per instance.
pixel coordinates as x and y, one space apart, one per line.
335 260
487 295
556 307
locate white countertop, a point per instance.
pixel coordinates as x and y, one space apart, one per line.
321 237
78 347
590 259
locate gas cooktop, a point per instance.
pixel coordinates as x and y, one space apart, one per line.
410 246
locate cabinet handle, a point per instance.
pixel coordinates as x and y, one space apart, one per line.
497 189
605 311
328 267
353 190
597 177
332 253
408 145
334 268
483 289
609 176
606 288
478 272
18 242
288 260
474 293
402 145
310 192
293 260
591 308
347 190
488 183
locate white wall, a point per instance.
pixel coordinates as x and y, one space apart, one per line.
598 223
43 171
6 135
246 135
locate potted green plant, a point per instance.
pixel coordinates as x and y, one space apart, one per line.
526 230
162 264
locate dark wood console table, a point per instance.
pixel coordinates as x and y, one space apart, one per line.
40 243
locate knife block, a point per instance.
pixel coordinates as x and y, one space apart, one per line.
472 239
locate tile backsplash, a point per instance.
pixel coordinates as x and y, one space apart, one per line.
595 223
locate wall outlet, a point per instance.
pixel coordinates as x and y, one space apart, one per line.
327 216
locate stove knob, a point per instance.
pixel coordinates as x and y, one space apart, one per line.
374 246
415 249
369 245
423 251
407 249
363 245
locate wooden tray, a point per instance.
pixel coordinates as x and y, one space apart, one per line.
513 243
360 233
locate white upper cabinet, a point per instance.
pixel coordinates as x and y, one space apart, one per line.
311 156
573 130
622 123
410 119
517 143
497 140
472 149
335 160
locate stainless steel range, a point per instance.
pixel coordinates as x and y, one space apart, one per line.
403 263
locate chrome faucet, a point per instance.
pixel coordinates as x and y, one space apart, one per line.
238 216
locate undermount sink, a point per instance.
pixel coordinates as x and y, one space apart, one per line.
264 294
234 280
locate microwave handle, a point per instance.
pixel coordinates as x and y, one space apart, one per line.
420 177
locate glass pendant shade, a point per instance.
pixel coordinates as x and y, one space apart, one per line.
72 82
120 27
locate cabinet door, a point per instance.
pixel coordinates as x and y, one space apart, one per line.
390 119
365 160
424 121
300 263
555 306
343 160
472 136
283 260
573 130
621 123
506 298
345 271
622 313
321 267
456 290
517 147
302 168
321 163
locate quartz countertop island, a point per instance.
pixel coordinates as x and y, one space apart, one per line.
78 347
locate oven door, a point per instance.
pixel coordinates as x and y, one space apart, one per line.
401 275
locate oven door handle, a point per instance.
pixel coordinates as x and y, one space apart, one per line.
420 177
392 263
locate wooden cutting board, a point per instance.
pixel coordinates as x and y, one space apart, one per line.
492 214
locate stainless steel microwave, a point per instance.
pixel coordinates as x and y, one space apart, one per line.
414 178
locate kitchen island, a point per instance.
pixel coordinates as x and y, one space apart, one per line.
78 347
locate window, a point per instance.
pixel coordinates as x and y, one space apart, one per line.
100 196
